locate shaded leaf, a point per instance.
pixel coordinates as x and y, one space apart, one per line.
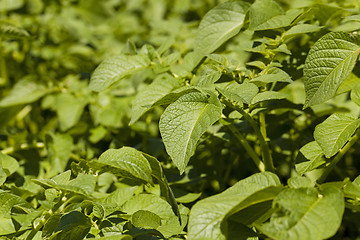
313 155
267 96
206 215
145 219
74 225
262 11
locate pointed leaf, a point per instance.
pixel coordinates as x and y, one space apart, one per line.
7 201
218 25
267 96
115 68
73 225
125 162
305 213
329 62
146 97
184 121
335 131
301 29
243 93
23 92
207 215
145 219
355 94
262 11
313 156
8 164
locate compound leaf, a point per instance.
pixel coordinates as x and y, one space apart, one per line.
329 62
184 121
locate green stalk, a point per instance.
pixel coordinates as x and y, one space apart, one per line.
269 166
248 148
339 156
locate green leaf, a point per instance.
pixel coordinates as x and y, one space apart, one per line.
8 164
267 96
329 62
275 76
279 21
313 156
69 109
300 182
207 215
59 147
219 25
9 5
114 69
305 213
10 31
184 121
243 93
300 29
262 11
355 94
150 94
24 92
335 131
348 84
74 225
145 219
3 176
124 162
7 201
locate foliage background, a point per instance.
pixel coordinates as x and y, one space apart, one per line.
50 121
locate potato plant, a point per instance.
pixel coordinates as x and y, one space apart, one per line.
200 120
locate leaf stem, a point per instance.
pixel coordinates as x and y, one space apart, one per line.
269 166
339 156
247 147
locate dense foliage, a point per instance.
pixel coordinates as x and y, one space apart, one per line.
179 119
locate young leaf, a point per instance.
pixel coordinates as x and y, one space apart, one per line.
184 121
301 29
305 213
335 131
7 201
267 96
114 69
329 62
207 215
355 94
313 155
59 147
219 25
125 162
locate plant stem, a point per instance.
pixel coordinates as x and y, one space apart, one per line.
23 146
339 156
247 147
269 166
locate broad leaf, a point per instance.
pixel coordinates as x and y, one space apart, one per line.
59 147
150 94
219 25
23 92
267 96
243 93
73 225
114 69
305 213
301 29
7 201
8 164
124 162
69 109
329 62
207 215
313 156
184 121
335 131
262 11
355 94
145 219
